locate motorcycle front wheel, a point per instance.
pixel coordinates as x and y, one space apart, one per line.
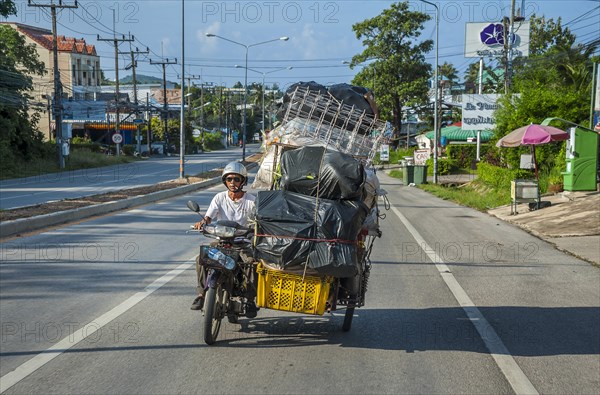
213 313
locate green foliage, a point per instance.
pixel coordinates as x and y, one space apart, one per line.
399 73
19 138
475 195
396 155
81 144
7 7
444 166
463 155
47 161
499 177
212 141
128 149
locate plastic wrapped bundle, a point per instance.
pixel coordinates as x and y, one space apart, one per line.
333 174
353 96
288 234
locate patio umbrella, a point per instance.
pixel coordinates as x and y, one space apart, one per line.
532 135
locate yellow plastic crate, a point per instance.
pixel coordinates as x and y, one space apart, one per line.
283 291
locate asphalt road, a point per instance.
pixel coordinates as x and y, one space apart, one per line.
73 184
458 302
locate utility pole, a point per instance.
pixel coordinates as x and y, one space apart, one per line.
135 97
57 110
508 35
202 111
116 41
164 64
149 128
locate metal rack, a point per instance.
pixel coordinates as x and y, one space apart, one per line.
316 117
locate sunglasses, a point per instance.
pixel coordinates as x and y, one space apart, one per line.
236 179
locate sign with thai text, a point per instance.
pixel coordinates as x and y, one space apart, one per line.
478 111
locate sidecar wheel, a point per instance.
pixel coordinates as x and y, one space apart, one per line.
212 315
348 319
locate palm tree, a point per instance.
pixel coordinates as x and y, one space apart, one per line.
449 71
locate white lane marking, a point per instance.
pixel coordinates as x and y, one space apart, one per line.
27 368
516 378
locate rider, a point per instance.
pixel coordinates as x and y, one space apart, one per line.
234 204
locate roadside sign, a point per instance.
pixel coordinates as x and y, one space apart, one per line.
384 153
421 156
138 121
117 138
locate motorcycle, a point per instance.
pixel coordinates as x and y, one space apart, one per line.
229 271
231 293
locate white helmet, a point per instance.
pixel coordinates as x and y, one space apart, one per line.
235 168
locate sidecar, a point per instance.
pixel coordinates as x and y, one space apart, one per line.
304 290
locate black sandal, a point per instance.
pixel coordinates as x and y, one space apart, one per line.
198 303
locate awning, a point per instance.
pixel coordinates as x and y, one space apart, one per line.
456 133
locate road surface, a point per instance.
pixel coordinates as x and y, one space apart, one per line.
458 302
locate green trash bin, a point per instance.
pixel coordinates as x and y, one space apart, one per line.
408 174
420 174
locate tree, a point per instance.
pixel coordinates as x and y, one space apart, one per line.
555 81
19 137
492 78
398 71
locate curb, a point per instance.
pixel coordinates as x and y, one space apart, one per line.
24 225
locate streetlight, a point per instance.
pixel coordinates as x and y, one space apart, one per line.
246 80
182 115
263 86
435 102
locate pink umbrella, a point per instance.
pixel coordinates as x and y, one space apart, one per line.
532 135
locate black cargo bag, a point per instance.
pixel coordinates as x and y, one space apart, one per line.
312 169
288 234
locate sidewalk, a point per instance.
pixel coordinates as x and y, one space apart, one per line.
571 223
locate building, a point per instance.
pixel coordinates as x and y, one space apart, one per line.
78 65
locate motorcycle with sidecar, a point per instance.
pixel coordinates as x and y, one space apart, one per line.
237 283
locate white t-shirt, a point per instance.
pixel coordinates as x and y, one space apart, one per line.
223 208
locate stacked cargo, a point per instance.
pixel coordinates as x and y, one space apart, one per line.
323 195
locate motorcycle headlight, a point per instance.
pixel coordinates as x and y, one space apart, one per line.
220 230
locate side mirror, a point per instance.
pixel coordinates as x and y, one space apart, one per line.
193 206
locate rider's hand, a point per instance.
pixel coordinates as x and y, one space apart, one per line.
200 225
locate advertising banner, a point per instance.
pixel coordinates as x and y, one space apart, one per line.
478 111
486 39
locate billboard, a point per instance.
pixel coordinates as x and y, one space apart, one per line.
486 39
478 111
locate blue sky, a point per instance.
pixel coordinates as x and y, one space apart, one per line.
320 33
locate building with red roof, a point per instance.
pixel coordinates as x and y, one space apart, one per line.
78 65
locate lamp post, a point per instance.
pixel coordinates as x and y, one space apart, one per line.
435 102
246 46
263 86
182 113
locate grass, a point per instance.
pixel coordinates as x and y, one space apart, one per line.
475 194
78 159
